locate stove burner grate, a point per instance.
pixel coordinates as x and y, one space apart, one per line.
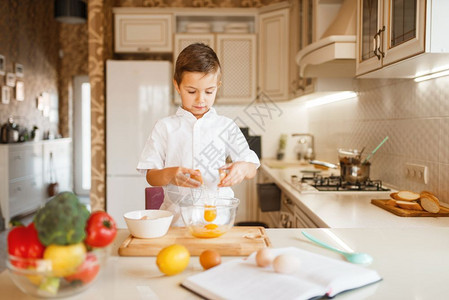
335 183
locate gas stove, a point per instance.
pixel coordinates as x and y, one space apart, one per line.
334 183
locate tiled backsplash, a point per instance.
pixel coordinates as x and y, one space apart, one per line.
270 120
415 116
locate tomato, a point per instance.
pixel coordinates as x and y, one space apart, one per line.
24 242
87 271
65 259
101 229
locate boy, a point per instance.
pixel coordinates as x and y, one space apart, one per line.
196 138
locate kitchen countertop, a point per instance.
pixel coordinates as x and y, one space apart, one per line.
411 261
342 209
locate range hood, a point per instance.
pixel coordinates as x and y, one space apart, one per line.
334 54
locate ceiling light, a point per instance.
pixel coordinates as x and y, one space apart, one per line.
340 96
71 11
433 75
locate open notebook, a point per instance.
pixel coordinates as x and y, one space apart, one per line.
316 276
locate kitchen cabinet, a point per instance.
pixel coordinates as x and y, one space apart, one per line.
237 53
278 43
61 151
256 60
24 170
141 32
307 33
271 218
399 38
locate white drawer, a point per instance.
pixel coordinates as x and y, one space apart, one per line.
25 161
63 178
25 195
61 154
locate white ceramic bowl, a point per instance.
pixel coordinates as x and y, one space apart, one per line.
150 223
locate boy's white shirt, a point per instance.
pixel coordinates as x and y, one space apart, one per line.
182 140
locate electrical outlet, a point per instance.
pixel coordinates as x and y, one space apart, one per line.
417 173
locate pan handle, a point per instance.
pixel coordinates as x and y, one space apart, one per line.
323 163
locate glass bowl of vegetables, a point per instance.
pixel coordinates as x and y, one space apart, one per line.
211 218
68 270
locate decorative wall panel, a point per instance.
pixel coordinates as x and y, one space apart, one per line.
73 61
29 36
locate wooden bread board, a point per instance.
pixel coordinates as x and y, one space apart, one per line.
239 241
382 203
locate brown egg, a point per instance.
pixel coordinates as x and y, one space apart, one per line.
209 259
264 257
198 178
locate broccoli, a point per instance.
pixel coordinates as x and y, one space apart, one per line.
62 220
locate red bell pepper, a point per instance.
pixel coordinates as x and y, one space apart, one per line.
23 242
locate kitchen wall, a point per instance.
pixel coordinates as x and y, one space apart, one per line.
29 36
51 53
271 120
415 116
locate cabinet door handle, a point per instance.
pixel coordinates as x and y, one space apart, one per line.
288 201
143 49
376 46
379 48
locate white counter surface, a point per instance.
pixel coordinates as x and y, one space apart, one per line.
344 209
412 262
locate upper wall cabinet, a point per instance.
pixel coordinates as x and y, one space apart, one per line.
278 44
237 54
139 32
273 59
401 38
256 46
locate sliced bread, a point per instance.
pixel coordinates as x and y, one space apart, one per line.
391 202
429 202
408 205
407 196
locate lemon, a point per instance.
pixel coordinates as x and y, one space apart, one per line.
173 259
65 259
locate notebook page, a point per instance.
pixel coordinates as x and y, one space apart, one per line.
317 275
239 280
331 274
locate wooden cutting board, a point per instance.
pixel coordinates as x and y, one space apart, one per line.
444 212
239 241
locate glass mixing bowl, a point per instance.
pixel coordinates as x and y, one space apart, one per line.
36 277
210 219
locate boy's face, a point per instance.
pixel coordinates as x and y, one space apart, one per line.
198 91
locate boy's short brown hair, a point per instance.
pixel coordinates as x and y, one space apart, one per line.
196 57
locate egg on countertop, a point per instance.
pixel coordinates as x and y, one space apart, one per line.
286 263
209 259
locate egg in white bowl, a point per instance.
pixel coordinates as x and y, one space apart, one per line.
149 223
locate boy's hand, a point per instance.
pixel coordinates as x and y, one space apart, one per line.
237 172
180 177
175 175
